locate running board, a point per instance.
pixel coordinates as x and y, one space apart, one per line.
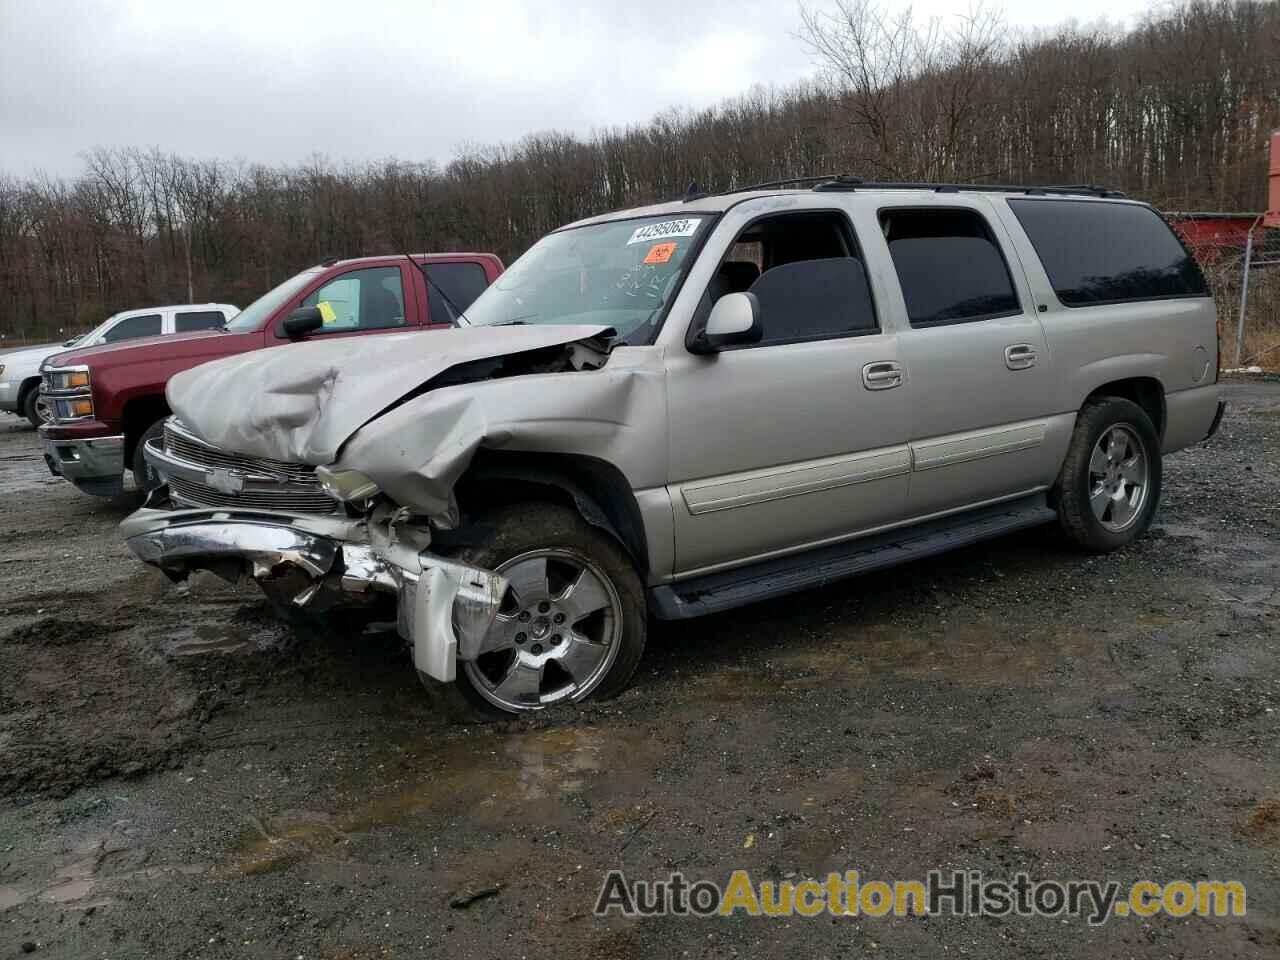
715 592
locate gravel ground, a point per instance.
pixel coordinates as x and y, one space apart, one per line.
181 777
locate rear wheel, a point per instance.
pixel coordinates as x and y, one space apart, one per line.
1109 486
571 626
34 407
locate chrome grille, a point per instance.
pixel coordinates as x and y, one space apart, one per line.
289 501
196 452
299 491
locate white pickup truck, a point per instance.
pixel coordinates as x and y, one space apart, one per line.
20 369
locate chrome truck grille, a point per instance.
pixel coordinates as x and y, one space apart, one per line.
268 484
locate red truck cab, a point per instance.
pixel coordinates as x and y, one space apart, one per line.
106 400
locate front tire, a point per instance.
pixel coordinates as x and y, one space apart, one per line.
34 408
1107 492
144 475
571 627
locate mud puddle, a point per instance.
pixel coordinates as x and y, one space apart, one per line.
490 778
93 873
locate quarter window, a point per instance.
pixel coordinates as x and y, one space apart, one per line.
949 266
130 328
1100 252
807 273
370 299
191 320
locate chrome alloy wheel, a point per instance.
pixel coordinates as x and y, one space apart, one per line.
555 636
1119 477
44 412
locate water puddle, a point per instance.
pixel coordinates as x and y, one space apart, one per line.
25 471
489 778
223 638
92 874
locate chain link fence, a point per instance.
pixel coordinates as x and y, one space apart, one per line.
1245 281
1257 333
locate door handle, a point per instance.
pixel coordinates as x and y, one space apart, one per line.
1019 356
882 375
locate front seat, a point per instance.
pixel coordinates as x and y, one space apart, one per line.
379 307
734 276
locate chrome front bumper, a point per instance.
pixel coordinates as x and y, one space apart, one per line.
94 465
444 608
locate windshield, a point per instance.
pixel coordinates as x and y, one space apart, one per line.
621 274
255 314
94 336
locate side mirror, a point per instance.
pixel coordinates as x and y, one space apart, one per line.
734 320
303 321
73 341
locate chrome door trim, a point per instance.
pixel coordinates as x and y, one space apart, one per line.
946 451
794 479
854 535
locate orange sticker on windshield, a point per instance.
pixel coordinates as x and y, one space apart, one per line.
660 253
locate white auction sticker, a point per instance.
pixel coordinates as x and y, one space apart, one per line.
667 228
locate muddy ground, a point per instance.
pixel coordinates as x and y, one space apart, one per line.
181 777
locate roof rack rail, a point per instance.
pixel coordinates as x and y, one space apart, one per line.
774 184
857 183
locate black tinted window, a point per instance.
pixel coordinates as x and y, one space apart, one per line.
948 265
461 283
198 320
1098 252
146 325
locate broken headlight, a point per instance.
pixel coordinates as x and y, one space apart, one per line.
346 485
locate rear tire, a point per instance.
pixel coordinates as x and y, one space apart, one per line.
145 477
572 626
1109 486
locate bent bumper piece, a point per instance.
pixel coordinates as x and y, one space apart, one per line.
445 609
94 464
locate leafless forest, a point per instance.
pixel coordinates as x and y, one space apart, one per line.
1176 111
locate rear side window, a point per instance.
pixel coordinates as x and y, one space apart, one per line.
1097 252
461 283
949 266
191 320
130 328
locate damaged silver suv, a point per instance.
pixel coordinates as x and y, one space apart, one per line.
680 409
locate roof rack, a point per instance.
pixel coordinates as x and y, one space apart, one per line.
841 181
857 183
774 184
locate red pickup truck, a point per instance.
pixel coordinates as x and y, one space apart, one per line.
107 401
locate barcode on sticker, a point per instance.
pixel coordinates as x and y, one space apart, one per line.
667 228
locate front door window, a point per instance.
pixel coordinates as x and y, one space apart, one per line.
370 299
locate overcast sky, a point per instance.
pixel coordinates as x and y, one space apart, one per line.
275 81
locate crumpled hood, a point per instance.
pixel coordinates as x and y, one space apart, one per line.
300 402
